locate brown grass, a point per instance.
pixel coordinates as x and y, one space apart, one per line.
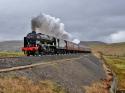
114 55
96 88
110 49
23 85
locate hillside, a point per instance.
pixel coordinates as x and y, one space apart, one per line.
114 56
11 45
89 43
117 49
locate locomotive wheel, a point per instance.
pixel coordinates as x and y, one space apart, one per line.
28 53
33 53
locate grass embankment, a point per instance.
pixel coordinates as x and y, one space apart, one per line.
96 87
11 54
23 85
114 55
117 64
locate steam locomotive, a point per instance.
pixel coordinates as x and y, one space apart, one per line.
41 44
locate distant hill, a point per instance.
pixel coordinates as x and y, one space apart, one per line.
117 49
91 43
11 45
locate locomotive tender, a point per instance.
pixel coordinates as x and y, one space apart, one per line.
41 44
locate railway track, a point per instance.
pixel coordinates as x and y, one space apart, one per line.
25 56
34 64
39 56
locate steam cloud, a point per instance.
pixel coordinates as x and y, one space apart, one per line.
51 26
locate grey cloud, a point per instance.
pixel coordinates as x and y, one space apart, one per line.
85 19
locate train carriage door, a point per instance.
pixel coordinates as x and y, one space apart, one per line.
57 43
66 44
54 41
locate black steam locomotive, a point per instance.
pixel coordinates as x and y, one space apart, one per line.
40 44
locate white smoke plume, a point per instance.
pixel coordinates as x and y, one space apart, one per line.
51 26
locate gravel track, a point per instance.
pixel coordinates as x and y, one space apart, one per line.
10 62
36 64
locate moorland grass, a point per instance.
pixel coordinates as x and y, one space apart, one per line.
23 85
11 54
114 55
117 64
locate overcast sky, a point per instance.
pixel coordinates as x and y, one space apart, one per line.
96 20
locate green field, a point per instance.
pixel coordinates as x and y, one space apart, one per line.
11 54
117 64
114 55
